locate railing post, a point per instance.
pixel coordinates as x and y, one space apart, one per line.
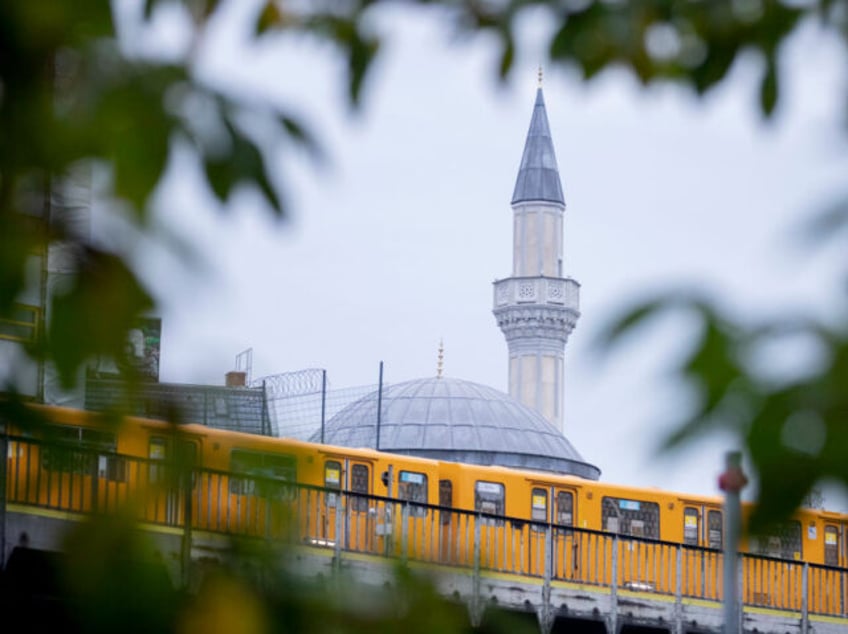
404 528
185 479
678 590
613 617
546 613
342 501
476 599
805 608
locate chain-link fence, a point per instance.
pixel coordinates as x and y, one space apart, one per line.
298 402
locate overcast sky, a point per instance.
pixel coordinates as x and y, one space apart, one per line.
394 244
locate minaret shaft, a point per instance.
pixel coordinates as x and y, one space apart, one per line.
537 308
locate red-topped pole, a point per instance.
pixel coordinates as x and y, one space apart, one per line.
731 482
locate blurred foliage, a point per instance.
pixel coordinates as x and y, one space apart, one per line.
70 95
129 587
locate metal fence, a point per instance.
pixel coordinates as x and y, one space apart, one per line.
76 479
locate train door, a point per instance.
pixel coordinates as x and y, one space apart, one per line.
170 469
359 523
701 568
540 523
412 520
553 507
328 504
833 553
567 550
490 498
827 589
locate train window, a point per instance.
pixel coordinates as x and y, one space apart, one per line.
332 474
332 480
715 530
565 508
690 526
631 517
831 546
272 470
359 483
76 450
785 542
538 507
489 497
445 499
412 486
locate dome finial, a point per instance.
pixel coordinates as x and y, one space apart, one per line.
440 362
540 75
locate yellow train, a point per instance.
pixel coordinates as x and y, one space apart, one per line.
512 521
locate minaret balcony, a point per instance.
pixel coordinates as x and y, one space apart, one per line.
557 291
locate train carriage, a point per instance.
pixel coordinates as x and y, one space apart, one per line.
519 522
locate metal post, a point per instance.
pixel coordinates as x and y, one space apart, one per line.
342 503
323 402
546 612
266 418
613 618
4 448
731 482
805 608
476 598
185 479
388 529
379 405
678 590
404 532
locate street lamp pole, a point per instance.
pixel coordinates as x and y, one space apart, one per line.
731 482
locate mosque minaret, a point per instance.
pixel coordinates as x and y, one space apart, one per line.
537 308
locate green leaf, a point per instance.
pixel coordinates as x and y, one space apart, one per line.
360 55
269 17
93 316
507 56
769 88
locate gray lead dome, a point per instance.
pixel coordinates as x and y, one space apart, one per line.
460 421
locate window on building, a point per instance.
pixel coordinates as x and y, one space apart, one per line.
22 323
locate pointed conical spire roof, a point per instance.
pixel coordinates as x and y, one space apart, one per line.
538 176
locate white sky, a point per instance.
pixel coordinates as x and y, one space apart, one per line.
396 243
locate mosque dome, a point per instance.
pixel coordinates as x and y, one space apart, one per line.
460 421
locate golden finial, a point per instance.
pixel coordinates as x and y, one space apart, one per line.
540 75
440 363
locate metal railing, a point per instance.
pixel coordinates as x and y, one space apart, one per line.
83 480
